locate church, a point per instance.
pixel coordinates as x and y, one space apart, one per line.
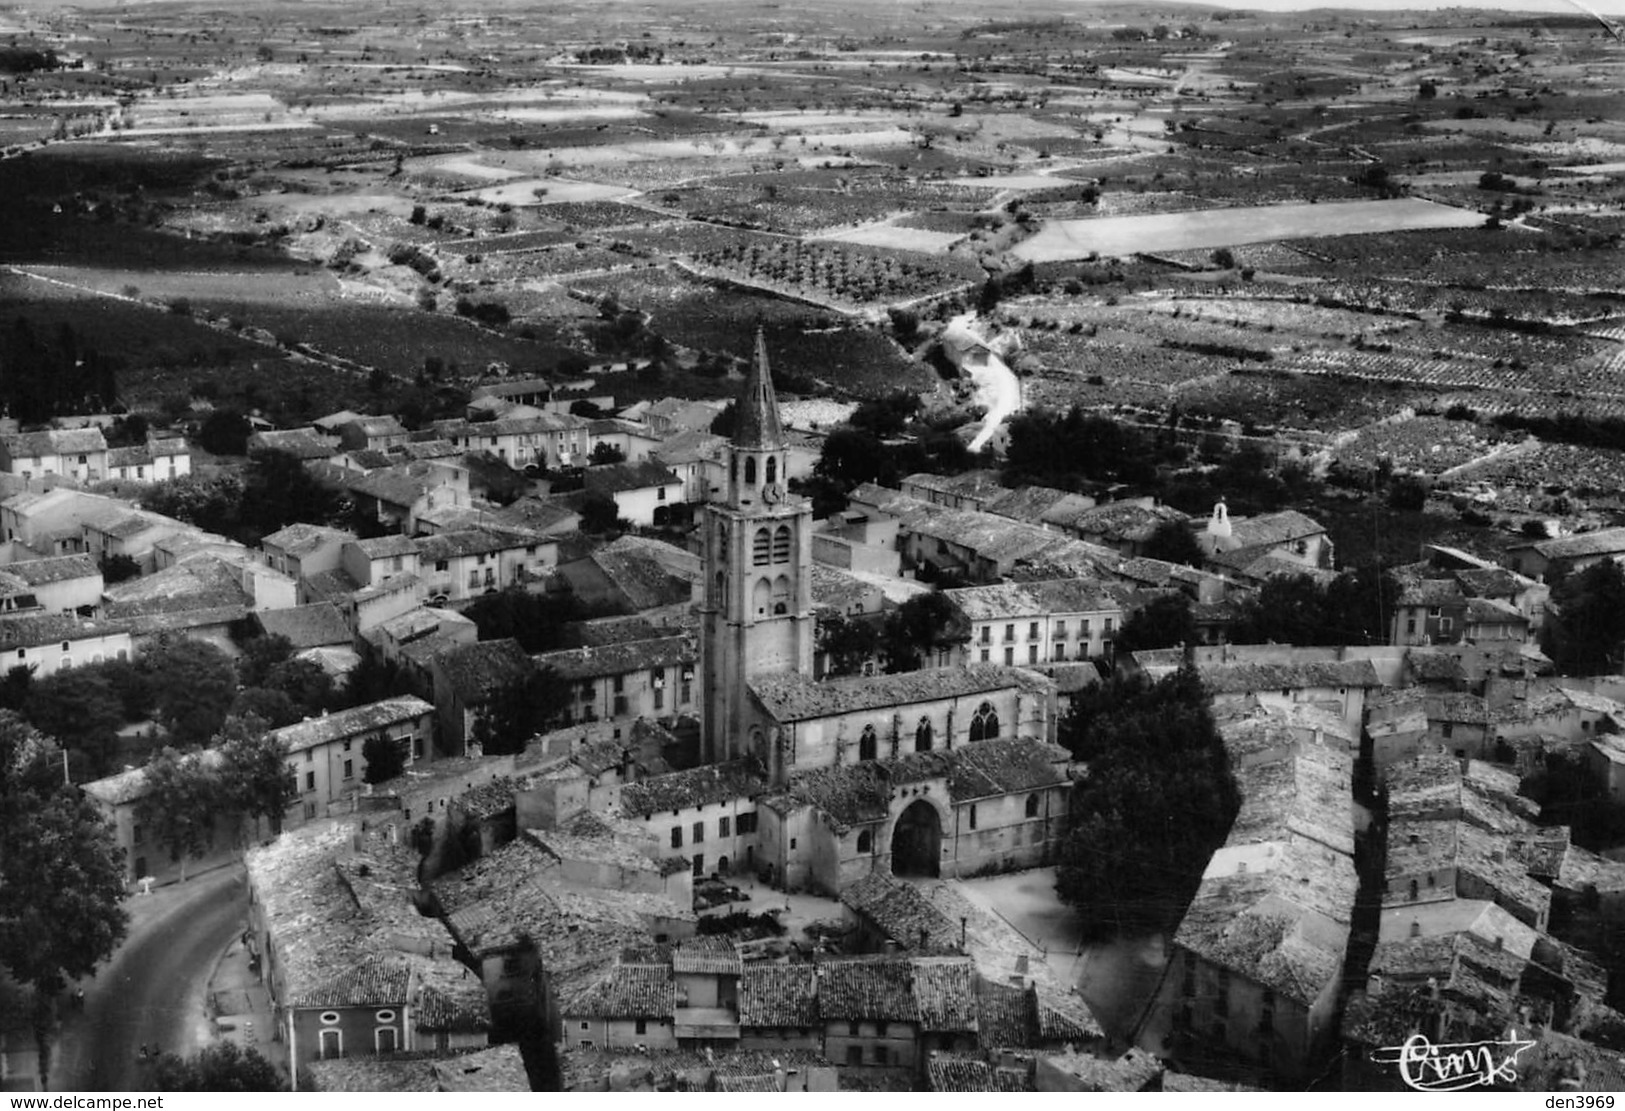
942 772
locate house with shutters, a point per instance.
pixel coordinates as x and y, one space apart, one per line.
623 682
326 756
76 453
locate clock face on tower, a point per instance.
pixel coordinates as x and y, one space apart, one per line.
771 494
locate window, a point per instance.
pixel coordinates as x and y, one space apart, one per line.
1032 653
385 1039
747 823
1444 624
879 1053
1433 611
1410 625
987 634
1009 632
586 692
761 547
395 564
676 837
984 655
331 1042
973 815
772 469
1083 629
1060 651
1449 728
984 724
660 698
923 736
1106 630
781 596
1060 630
1032 630
750 471
699 832
1032 806
349 769
586 1026
868 744
781 544
642 1026
1009 657
723 824
346 746
137 834
620 684
699 864
866 842
854 1054
310 781
442 565
660 495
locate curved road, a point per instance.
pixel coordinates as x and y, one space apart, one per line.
155 987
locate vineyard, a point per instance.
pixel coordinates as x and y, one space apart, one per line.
1429 445
837 273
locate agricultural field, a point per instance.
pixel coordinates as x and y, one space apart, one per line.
1289 223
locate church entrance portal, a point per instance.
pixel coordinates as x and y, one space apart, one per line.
916 841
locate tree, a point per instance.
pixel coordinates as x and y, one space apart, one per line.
254 777
118 567
604 454
212 502
194 685
1174 542
847 643
385 757
521 709
259 655
306 682
82 711
61 876
1585 624
375 679
14 687
278 491
273 707
599 513
1159 800
1408 493
219 1067
225 432
185 796
1164 622
923 626
851 457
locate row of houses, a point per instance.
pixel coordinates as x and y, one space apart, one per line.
82 455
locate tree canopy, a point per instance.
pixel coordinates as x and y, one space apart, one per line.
920 628
61 874
194 684
185 795
1158 801
385 757
254 777
82 711
1584 632
1164 622
222 1066
520 710
1296 609
847 643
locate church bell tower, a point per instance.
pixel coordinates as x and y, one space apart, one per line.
757 609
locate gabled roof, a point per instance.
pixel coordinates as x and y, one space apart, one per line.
39 572
619 478
352 722
624 991
778 995
867 989
1273 528
694 787
476 670
300 539
314 626
604 660
797 698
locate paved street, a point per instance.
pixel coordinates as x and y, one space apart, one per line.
154 988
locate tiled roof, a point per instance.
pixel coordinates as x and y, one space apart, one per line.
649 572
1118 521
707 955
576 664
1055 597
1132 1072
476 670
945 993
624 991
1005 1015
497 1069
39 572
399 1072
33 630
472 541
1236 677
1607 541
898 910
300 539
1273 528
131 784
778 995
1493 611
301 443
384 547
948 1073
374 981
694 787
619 478
312 626
1037 504
872 989
350 723
797 698
448 997
54 441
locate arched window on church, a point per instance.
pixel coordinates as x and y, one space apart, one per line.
923 737
781 596
781 544
772 469
722 585
761 547
750 470
866 842
868 744
984 723
761 597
